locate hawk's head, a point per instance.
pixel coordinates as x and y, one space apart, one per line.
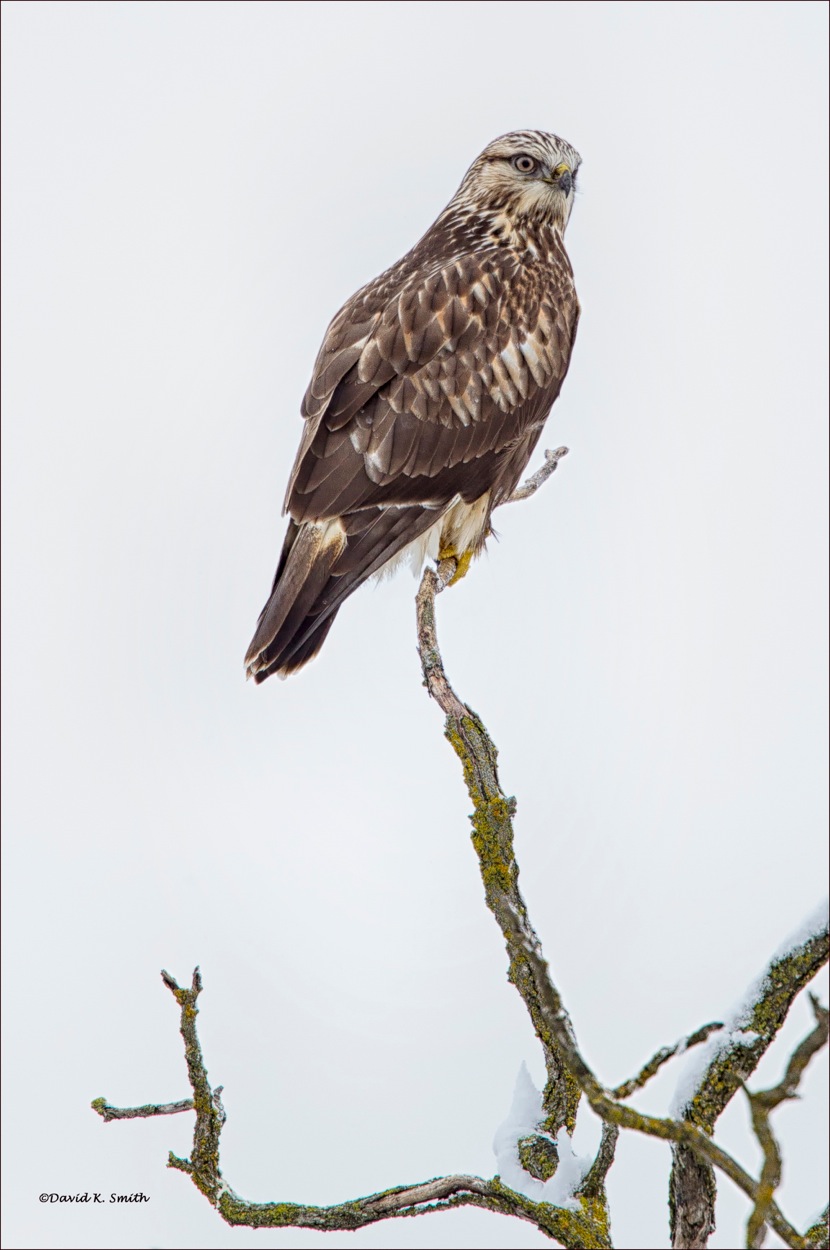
526 174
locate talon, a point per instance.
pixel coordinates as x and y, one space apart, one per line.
464 563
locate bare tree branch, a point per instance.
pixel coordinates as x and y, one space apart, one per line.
531 485
203 1164
756 1228
593 1186
572 1229
493 841
108 1112
583 1222
692 1187
693 1191
656 1062
761 1105
817 1236
623 1116
768 1004
803 1053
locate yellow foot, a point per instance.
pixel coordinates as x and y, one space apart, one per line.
463 562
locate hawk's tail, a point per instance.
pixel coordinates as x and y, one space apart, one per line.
309 553
322 562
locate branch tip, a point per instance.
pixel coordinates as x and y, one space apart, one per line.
531 485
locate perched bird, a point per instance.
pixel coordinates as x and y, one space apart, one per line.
429 394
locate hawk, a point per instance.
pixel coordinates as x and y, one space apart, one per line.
429 394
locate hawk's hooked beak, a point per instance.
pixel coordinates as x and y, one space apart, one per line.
563 178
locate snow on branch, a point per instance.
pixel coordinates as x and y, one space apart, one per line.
727 1060
732 1054
656 1062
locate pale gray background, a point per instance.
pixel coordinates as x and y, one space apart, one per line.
191 190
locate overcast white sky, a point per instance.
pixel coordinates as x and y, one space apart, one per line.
191 191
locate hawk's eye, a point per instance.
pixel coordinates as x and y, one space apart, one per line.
525 164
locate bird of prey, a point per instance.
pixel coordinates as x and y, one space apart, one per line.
429 394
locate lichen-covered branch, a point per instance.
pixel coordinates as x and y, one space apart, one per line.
761 1105
817 1236
663 1055
612 1112
756 1228
572 1229
108 1112
593 1185
493 841
746 1039
569 1228
203 1164
756 1025
583 1220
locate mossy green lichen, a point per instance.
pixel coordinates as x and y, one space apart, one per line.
538 1156
785 978
258 1215
492 838
585 1229
817 1236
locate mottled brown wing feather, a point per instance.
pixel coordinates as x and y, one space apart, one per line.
430 381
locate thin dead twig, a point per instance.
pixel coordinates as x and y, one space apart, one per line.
107 1112
531 484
